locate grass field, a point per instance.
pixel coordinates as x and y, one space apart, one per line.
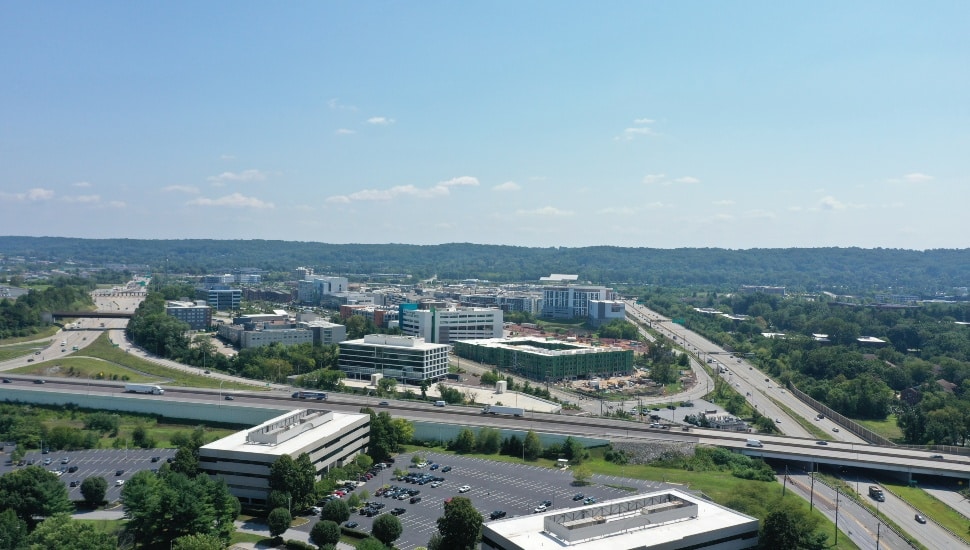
19 350
886 428
85 368
46 333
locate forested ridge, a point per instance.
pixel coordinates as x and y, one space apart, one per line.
852 270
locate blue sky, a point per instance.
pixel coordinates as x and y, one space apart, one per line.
654 124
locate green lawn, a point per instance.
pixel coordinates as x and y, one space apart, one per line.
46 333
86 368
886 428
13 351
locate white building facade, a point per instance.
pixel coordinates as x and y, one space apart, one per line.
571 301
443 326
407 359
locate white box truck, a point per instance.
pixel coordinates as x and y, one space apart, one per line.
144 388
754 443
499 409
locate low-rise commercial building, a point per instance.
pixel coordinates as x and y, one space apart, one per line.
197 314
664 520
243 459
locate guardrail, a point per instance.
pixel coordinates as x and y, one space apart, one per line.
843 421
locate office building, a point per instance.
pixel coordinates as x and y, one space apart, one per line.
443 326
220 298
407 359
243 459
571 301
197 314
663 520
547 360
602 312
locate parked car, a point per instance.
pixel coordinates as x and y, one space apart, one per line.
398 511
539 509
446 469
497 514
578 496
351 524
464 489
589 500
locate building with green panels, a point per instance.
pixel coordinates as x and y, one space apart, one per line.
547 360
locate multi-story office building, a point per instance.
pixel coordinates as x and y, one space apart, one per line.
547 360
405 358
443 326
243 459
313 289
220 298
197 314
664 520
384 317
571 301
214 281
605 311
325 332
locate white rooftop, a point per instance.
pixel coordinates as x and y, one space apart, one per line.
293 430
523 344
637 520
559 277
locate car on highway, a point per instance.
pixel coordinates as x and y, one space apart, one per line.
920 518
229 398
39 381
30 359
7 380
821 442
936 457
836 430
777 421
464 489
383 403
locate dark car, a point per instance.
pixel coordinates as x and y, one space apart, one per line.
434 466
589 500
547 503
351 524
156 458
119 472
383 403
228 398
75 483
39 381
72 469
415 500
578 496
398 511
446 469
7 381
497 514
920 519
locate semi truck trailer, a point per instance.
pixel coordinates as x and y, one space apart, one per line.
499 409
144 388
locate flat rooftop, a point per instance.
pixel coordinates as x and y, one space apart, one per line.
540 346
662 518
286 434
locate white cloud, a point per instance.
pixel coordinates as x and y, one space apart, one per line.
661 179
829 202
88 199
81 184
917 177
655 205
337 106
507 186
235 200
117 204
35 194
440 189
344 132
227 157
654 178
643 121
545 211
759 214
687 179
190 189
537 178
380 120
243 177
724 202
640 129
622 210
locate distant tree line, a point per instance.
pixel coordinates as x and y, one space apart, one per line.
24 316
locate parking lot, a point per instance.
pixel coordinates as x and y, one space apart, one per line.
516 489
104 463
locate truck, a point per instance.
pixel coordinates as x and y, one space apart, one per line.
144 388
753 443
876 493
499 409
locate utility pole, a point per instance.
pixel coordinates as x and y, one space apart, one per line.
811 500
836 515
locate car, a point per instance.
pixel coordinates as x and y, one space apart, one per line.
920 518
30 359
422 464
65 460
435 484
206 372
821 442
7 380
820 416
546 503
75 483
539 509
39 381
351 524
777 421
578 496
383 403
415 500
119 482
119 472
589 500
936 457
435 466
36 353
48 461
446 469
836 430
398 511
72 469
156 458
497 514
315 510
229 398
464 489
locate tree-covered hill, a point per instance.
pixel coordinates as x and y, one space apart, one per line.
851 270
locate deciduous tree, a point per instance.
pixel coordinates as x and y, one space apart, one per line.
386 528
325 532
460 526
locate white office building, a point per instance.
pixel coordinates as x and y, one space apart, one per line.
664 520
602 312
407 359
443 326
243 459
571 301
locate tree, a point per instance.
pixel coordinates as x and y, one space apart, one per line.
780 530
185 462
32 493
93 490
336 510
573 450
460 526
370 543
13 531
387 528
325 532
465 441
278 520
198 541
489 441
60 531
533 447
295 477
581 475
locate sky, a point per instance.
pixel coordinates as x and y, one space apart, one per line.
744 124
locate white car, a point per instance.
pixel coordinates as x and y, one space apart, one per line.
119 482
540 509
422 464
464 489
